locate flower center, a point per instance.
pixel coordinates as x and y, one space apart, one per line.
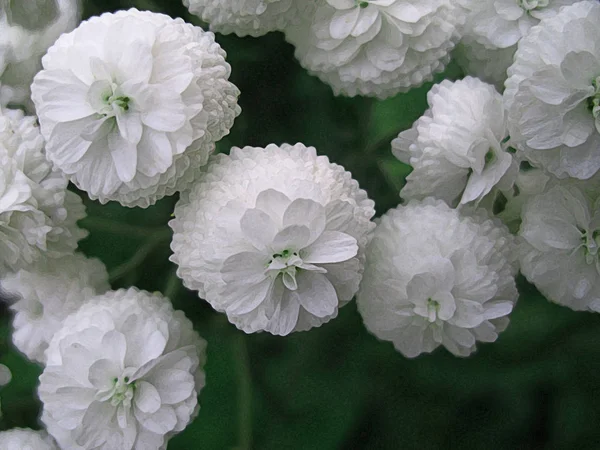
590 242
288 263
122 392
363 4
108 99
594 101
433 308
530 5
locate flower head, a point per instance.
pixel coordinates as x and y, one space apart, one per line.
124 373
248 17
26 439
46 294
552 93
376 47
38 216
562 229
273 237
132 103
458 149
28 29
437 277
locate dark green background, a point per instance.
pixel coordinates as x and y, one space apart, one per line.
338 387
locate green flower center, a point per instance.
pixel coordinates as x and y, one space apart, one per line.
531 5
122 392
594 100
121 102
363 4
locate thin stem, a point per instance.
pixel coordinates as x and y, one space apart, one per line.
99 224
244 394
173 286
138 259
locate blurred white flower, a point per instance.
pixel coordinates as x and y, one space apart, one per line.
377 47
489 65
273 237
38 216
123 373
132 103
562 228
28 29
249 17
436 277
5 375
26 439
458 148
46 293
553 92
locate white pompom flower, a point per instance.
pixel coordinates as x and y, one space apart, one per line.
377 47
553 93
29 28
26 439
437 277
249 17
46 293
132 103
562 229
458 148
273 237
38 216
123 373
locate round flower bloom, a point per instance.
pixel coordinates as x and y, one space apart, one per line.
124 372
273 237
553 93
132 103
26 439
458 149
377 47
435 276
46 294
5 375
28 29
562 228
38 216
248 17
502 23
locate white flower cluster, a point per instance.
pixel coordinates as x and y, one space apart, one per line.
436 277
38 216
28 29
493 30
131 105
249 17
273 237
26 439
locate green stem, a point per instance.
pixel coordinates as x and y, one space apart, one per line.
138 258
244 394
99 224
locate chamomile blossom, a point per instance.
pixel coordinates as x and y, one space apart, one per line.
437 277
458 148
553 93
132 103
377 47
273 237
46 293
38 216
124 372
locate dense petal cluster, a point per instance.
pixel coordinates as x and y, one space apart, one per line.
562 229
553 93
458 148
124 373
377 47
26 439
132 103
273 237
436 277
249 17
28 29
46 293
38 216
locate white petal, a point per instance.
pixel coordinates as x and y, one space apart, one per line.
147 398
259 228
331 247
291 238
316 294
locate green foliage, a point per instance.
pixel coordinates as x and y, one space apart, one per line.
337 387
